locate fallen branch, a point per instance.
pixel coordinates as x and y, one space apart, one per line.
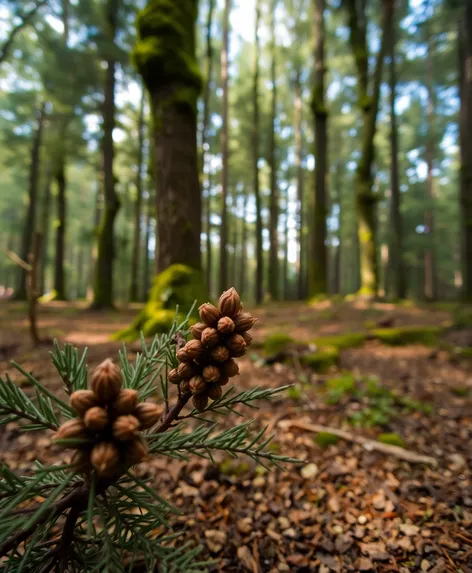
366 443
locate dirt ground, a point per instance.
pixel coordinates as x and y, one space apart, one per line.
348 508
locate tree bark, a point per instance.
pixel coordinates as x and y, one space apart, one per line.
286 281
274 199
223 285
29 224
430 279
173 80
146 262
319 263
242 274
103 289
44 256
397 280
59 278
259 285
365 197
465 119
206 122
301 204
135 267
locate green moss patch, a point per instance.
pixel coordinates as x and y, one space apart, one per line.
325 439
294 392
391 439
322 359
276 342
349 340
337 388
427 335
177 286
460 391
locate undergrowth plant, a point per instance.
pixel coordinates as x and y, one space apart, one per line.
97 513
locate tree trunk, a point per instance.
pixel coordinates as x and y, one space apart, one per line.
134 286
44 256
59 278
286 285
146 261
242 274
274 201
174 107
430 281
103 290
223 285
93 251
28 229
259 286
465 77
397 281
365 197
206 122
319 263
299 166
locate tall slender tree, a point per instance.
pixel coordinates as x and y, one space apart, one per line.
165 57
205 125
33 180
368 99
300 180
135 268
319 262
430 279
397 283
103 288
259 284
224 151
274 195
465 84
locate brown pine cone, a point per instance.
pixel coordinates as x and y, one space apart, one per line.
184 386
106 381
220 354
174 377
81 460
197 385
194 349
210 337
96 418
72 429
126 401
247 338
225 325
229 303
243 321
136 451
230 368
148 414
215 392
209 314
236 344
82 400
182 355
223 380
187 370
125 428
211 373
104 458
200 401
197 330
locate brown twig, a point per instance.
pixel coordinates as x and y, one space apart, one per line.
172 414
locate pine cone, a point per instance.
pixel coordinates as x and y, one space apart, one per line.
230 368
126 428
209 314
106 381
194 349
126 401
187 370
82 400
210 337
220 354
197 385
182 355
215 392
104 458
200 401
229 303
247 338
225 325
72 429
136 451
148 414
96 418
197 330
211 373
243 321
236 344
174 377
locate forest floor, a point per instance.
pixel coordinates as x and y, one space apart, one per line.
349 507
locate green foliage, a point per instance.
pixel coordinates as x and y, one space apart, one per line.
340 341
322 359
460 391
391 439
337 388
177 286
326 439
427 335
276 342
294 392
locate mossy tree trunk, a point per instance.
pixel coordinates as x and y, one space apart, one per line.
45 232
366 199
205 124
165 57
465 65
33 180
397 282
319 262
59 276
259 284
274 194
223 284
135 267
103 288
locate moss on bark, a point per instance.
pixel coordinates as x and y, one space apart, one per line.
179 285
